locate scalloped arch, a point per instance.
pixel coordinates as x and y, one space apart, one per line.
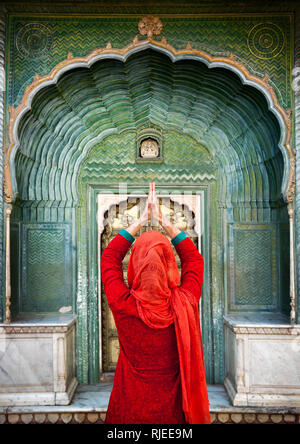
62 115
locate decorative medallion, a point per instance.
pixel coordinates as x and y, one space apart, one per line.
34 39
149 149
266 40
150 26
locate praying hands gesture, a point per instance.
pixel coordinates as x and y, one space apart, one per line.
152 213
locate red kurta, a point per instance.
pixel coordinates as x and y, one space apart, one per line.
147 386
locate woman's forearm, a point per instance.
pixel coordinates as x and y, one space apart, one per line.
135 227
169 228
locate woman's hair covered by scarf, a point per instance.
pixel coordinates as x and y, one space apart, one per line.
153 279
152 273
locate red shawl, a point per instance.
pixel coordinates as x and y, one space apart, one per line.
153 279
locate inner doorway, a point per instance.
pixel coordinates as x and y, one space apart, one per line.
119 211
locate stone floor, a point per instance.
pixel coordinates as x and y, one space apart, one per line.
90 403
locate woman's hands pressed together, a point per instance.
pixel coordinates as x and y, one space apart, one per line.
152 213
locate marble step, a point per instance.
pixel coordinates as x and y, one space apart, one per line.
90 402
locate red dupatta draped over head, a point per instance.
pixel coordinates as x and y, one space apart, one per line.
153 279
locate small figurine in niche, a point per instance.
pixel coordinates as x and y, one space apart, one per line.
149 148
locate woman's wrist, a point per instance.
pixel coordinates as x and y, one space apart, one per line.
170 229
178 238
135 227
127 235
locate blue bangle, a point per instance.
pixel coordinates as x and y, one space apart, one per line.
127 235
178 238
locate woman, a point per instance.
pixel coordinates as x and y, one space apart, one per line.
159 377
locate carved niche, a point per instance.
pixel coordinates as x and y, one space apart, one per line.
149 146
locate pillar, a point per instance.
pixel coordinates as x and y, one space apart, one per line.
2 90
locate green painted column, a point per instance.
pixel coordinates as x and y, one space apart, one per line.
2 89
297 140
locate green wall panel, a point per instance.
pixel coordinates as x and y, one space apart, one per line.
36 43
15 267
284 236
46 267
253 270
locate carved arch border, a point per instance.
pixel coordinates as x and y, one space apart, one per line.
283 117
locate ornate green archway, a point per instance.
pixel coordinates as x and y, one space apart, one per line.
230 138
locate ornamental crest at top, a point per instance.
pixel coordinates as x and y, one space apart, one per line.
150 26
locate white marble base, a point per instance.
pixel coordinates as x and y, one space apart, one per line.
262 360
37 360
90 402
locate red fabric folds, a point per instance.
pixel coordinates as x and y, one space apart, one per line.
153 279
